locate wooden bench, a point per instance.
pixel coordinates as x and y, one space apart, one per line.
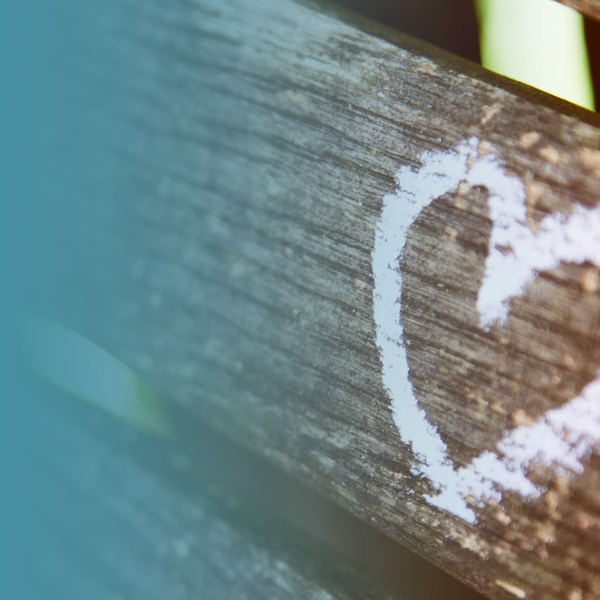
373 265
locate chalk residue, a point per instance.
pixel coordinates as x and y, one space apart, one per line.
564 438
517 255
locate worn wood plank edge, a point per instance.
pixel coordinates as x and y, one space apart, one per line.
451 61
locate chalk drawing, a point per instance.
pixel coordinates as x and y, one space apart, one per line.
564 438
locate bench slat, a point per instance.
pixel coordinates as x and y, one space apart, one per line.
259 223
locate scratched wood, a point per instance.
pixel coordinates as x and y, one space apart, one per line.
118 517
254 166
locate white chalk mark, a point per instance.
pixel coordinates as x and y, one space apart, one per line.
517 255
565 437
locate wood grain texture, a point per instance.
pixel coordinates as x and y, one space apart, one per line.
591 8
252 166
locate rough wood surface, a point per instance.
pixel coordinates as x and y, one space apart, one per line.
119 517
591 8
255 165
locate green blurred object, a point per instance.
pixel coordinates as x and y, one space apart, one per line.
78 366
538 42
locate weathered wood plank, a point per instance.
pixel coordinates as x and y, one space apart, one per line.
198 459
591 8
256 281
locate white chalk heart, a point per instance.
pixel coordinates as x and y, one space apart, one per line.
563 438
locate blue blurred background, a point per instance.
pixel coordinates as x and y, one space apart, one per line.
54 102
